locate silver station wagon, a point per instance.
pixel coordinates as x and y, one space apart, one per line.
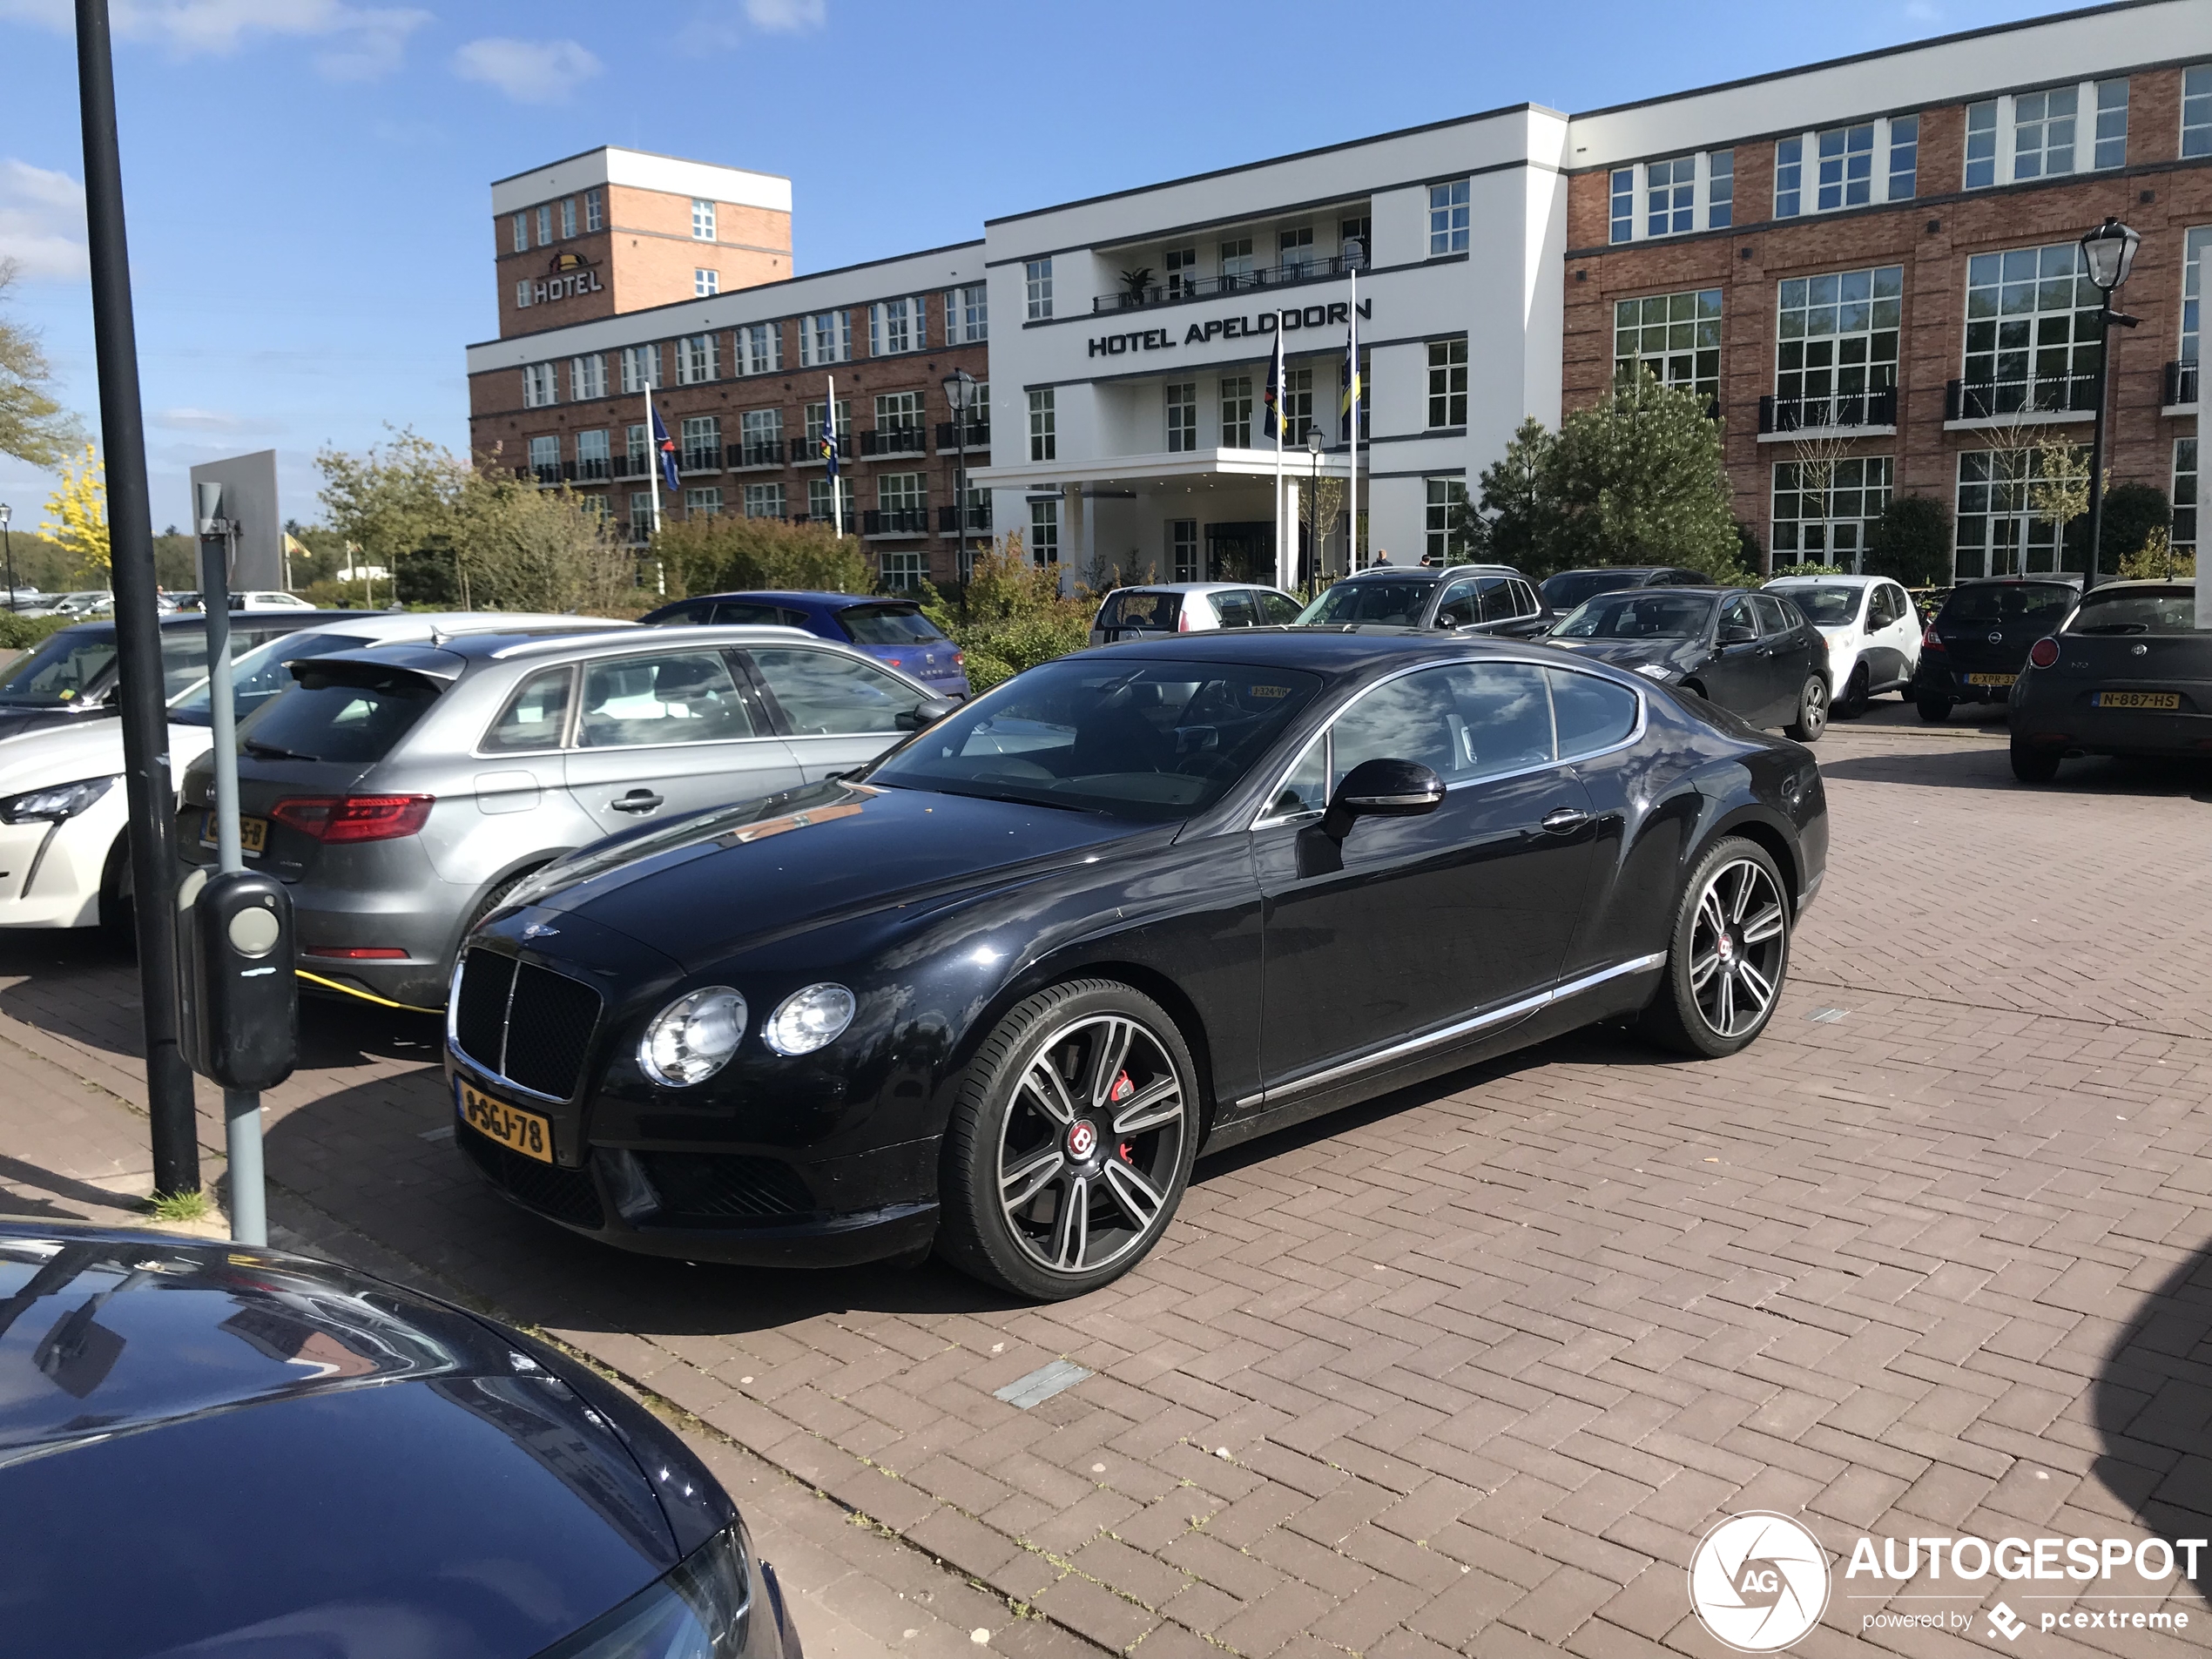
401 791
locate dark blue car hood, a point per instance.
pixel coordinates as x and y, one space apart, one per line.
1628 653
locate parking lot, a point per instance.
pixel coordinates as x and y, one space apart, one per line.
1475 1367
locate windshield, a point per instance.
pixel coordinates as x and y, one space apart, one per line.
1827 607
1151 742
1638 614
888 625
1569 588
259 675
2157 611
1389 600
2043 602
60 672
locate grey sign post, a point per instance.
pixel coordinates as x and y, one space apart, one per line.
249 492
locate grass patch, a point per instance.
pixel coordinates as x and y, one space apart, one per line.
180 1206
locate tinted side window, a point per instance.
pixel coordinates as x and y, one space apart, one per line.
744 610
1592 713
1280 609
1774 616
1497 599
536 718
1461 606
1524 598
1463 721
1736 613
685 697
826 694
1235 609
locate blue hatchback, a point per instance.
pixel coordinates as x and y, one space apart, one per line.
893 631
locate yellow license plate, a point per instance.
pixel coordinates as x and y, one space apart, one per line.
528 1133
2139 699
252 832
1991 679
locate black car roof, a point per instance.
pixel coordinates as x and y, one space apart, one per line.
1325 648
2048 578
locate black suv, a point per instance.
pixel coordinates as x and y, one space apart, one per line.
1974 649
1564 590
1463 598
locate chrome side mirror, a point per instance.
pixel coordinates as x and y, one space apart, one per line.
1381 788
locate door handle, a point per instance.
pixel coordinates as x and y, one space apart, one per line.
638 800
1565 822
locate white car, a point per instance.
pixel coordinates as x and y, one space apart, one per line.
1872 629
1189 608
62 816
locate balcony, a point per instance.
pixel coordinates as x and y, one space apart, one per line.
1839 410
805 450
1272 276
904 521
544 475
895 441
627 466
756 452
951 436
591 470
705 457
2180 384
2054 397
979 521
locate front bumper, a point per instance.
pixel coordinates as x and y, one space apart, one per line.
49 873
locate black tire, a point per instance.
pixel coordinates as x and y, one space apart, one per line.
493 900
1813 712
1934 710
1036 1101
1751 896
1855 696
2034 763
118 910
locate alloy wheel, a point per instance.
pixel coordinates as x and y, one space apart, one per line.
1091 1144
1736 947
1812 708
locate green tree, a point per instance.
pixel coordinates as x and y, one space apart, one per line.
33 426
520 548
1012 615
2132 511
1910 541
79 523
1511 517
399 503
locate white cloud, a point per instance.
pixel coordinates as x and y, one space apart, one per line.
42 220
787 17
191 419
529 72
1923 12
364 42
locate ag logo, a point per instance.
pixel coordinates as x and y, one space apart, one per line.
1759 1582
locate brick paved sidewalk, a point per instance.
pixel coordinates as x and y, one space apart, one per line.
1473 1368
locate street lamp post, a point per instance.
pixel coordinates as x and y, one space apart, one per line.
2110 251
1314 560
6 512
959 393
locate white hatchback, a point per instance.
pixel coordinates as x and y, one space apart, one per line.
1872 629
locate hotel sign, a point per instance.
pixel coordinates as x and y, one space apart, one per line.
572 275
1200 333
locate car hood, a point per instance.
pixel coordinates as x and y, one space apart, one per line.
90 749
16 722
704 887
348 1457
1676 654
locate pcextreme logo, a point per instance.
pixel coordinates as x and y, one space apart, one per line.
1759 1582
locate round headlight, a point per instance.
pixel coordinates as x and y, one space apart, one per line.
693 1037
809 1019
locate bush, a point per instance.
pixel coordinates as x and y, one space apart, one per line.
1011 615
721 554
25 633
2131 513
1909 543
1810 569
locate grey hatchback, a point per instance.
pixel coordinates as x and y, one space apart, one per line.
401 791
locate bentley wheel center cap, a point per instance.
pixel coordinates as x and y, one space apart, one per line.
1082 1140
1725 947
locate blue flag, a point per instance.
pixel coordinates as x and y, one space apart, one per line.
829 437
666 446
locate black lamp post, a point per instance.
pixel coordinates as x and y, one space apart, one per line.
2110 253
959 393
6 512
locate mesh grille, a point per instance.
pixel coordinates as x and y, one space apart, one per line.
712 1189
565 1195
480 1006
548 1030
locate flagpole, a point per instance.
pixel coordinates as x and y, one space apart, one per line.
653 476
837 489
1281 553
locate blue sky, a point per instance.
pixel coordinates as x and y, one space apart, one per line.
307 179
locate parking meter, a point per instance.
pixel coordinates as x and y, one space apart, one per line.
240 995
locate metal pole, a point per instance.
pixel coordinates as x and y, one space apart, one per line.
2105 338
7 542
137 634
960 487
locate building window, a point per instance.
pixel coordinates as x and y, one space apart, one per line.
1182 267
2196 111
1444 505
641 513
545 225
568 217
1447 382
1183 549
1904 157
2184 497
1676 336
521 232
2112 124
587 376
1037 275
967 316
901 493
824 504
705 282
2032 340
545 459
760 438
896 326
2043 133
591 454
1720 190
1449 209
2196 253
1981 144
636 446
1298 404
594 504
1182 417
825 337
538 385
1836 342
903 570
1354 238
764 501
898 412
595 210
521 295
640 368
702 438
1296 249
1789 177
814 427
704 503
2000 532
1821 509
1237 412
1237 264
1624 204
1044 432
697 359
759 349
1846 175
1044 532
702 220
1670 196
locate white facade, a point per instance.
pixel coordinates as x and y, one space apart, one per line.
669 174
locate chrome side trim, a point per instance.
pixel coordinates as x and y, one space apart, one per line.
1481 1022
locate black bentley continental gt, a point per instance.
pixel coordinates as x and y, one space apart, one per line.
994 992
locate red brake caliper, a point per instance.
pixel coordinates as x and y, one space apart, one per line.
1121 1090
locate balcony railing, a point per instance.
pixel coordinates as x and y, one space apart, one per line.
2045 395
977 436
756 452
979 521
544 474
1271 276
905 521
895 441
629 466
805 449
2181 383
704 458
591 470
1841 409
